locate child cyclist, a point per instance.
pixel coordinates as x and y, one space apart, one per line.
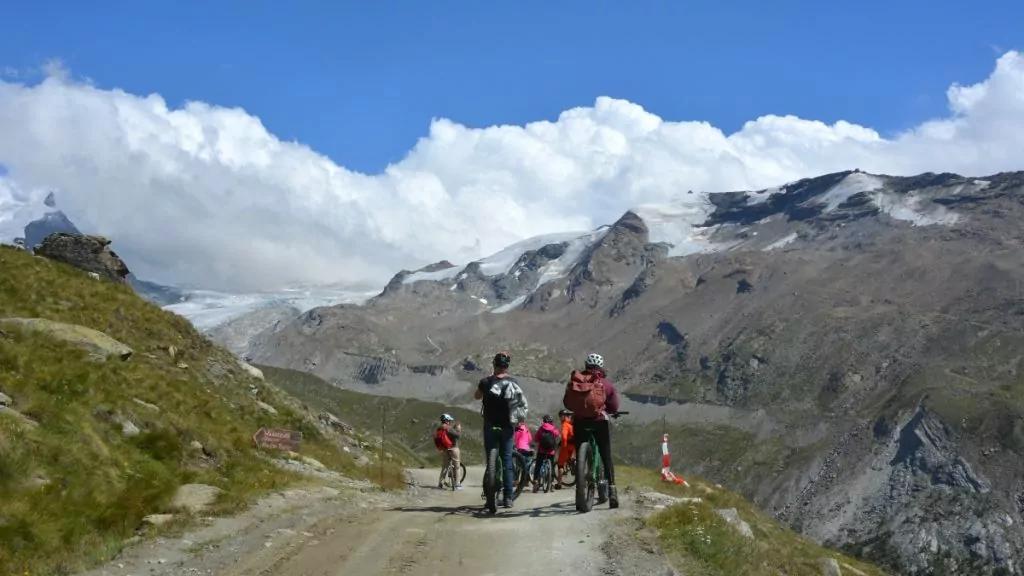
567 449
546 438
521 439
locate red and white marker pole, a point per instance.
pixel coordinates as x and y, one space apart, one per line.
666 473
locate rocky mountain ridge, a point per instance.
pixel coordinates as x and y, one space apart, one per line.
831 322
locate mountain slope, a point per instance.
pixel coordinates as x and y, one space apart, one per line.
814 327
99 430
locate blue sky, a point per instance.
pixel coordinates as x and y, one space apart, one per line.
361 81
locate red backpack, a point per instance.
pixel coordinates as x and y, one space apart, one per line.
441 439
584 394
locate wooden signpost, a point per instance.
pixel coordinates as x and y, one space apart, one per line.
276 439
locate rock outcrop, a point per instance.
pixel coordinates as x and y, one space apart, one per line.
99 345
89 253
195 498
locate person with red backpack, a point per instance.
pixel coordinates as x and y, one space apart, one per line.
591 397
446 438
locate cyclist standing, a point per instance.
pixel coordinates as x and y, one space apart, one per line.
447 439
503 405
590 419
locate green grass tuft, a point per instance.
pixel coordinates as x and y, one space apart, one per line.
701 543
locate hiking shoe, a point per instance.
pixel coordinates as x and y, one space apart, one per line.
459 487
613 497
506 502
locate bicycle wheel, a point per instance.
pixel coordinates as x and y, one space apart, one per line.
519 471
569 473
548 475
463 477
491 482
584 478
453 475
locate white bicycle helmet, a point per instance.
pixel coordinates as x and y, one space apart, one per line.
595 360
446 418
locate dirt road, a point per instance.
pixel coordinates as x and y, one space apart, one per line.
451 534
426 532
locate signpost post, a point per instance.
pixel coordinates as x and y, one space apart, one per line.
276 439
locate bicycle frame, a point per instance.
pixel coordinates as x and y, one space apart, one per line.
588 448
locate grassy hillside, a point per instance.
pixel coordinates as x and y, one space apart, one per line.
701 543
412 422
88 448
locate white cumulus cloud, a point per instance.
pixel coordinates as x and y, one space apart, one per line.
206 195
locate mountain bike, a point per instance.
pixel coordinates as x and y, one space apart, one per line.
494 474
589 475
546 473
451 476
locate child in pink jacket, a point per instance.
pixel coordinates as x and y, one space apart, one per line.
521 440
547 439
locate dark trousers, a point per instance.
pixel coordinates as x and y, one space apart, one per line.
503 442
602 436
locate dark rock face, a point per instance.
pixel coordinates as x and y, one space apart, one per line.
431 369
37 230
156 293
735 207
622 254
89 253
377 370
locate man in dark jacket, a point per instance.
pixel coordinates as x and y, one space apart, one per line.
503 405
582 427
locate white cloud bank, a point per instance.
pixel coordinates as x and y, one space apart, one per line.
205 195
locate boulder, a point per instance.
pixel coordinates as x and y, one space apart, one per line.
659 501
195 497
158 519
99 345
89 253
128 428
146 405
830 567
731 516
251 370
19 417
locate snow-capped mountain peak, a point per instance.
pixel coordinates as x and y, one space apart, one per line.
691 223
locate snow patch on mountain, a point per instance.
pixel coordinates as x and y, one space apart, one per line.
677 224
207 309
518 302
853 184
503 261
781 242
911 208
